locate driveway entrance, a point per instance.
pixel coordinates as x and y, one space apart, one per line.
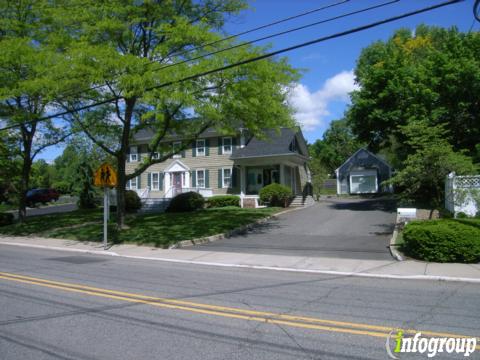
344 228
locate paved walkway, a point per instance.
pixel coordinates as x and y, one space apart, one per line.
338 228
326 265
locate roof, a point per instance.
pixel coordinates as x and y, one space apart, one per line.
147 134
368 152
276 143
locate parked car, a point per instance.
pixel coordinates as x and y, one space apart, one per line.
41 196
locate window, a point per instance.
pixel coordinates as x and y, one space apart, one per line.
155 181
227 145
176 146
200 147
201 178
226 177
156 156
133 153
293 145
132 184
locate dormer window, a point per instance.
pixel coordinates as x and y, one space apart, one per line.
133 153
176 146
227 145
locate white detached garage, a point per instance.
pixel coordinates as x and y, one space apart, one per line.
363 173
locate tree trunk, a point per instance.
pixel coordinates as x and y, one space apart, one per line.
121 186
24 185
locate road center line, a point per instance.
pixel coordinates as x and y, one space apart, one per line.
230 312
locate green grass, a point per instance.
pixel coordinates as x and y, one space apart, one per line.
40 225
6 207
161 230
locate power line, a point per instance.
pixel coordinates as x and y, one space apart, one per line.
262 38
215 42
258 58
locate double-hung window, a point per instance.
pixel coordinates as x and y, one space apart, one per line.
133 153
176 146
200 147
132 184
226 177
155 181
201 178
227 145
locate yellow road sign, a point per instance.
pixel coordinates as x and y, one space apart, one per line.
105 176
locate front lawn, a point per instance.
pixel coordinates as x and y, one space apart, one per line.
161 230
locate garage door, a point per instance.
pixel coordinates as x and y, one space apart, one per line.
362 182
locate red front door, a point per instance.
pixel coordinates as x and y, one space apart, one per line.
177 180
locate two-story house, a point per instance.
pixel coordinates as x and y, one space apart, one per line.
216 164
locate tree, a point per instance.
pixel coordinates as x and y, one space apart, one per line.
27 84
423 177
119 46
430 75
9 168
336 146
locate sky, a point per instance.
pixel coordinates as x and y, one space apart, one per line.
322 94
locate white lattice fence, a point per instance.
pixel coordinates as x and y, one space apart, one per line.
462 194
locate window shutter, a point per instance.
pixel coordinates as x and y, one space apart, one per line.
160 181
149 180
234 142
139 182
183 153
207 178
234 176
194 178
220 146
220 185
194 149
207 147
128 155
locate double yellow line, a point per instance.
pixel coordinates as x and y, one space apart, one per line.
229 312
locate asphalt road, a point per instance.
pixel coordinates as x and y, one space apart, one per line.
342 228
202 312
49 209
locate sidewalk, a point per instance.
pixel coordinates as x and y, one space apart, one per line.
406 270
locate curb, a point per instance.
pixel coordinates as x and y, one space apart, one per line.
397 255
237 231
259 267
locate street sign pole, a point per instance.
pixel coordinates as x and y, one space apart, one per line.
105 217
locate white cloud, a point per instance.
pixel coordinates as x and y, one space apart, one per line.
311 108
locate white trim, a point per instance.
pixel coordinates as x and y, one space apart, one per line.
171 167
133 154
129 184
155 188
179 155
223 178
196 178
201 147
223 145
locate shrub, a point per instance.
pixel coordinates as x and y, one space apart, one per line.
132 201
443 241
223 200
188 201
275 194
461 215
6 219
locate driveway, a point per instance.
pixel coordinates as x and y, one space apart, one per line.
342 228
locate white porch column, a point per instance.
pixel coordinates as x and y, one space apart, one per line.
166 181
282 175
187 179
242 184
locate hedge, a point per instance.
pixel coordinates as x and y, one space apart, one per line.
223 201
275 195
132 201
6 219
188 201
443 240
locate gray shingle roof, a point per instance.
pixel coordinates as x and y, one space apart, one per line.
277 143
